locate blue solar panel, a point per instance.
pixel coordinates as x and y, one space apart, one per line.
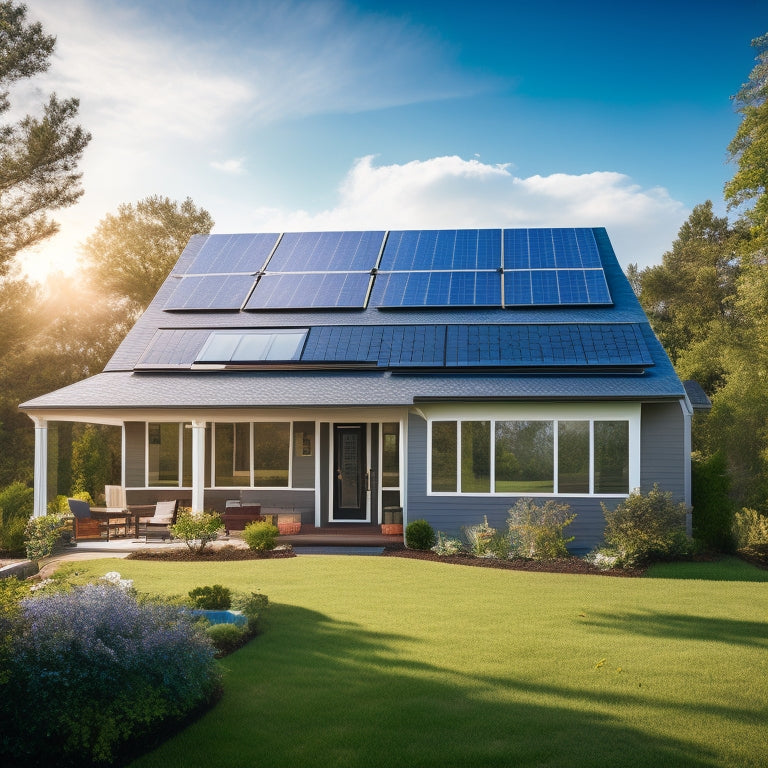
572 286
597 288
332 290
437 289
210 292
327 252
233 253
451 249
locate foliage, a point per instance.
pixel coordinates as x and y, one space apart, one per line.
225 637
419 534
749 147
712 506
750 528
253 606
132 252
38 155
260 535
213 598
41 535
536 532
197 530
90 467
16 500
485 541
12 535
646 527
447 545
91 669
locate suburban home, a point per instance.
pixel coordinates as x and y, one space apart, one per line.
349 376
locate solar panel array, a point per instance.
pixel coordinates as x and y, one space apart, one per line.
397 270
526 345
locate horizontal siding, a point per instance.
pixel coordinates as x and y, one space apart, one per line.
662 455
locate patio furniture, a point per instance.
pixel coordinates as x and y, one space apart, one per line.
159 524
84 524
238 514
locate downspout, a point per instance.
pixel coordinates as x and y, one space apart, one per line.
687 409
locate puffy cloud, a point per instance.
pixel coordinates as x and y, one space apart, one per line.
449 192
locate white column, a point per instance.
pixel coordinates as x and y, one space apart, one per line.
41 467
198 466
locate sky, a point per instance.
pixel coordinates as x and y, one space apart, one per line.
277 115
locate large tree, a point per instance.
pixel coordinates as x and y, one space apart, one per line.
131 252
38 154
749 147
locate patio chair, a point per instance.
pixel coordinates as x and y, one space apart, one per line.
85 526
114 498
159 524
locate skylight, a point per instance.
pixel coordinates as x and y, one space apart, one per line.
253 346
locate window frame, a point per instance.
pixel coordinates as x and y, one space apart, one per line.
595 412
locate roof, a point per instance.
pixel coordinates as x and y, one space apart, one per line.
390 318
697 396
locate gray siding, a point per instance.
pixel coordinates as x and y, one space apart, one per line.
303 466
135 454
662 457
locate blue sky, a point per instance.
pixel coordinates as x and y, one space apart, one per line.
342 115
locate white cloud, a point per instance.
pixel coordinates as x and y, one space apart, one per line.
234 166
448 192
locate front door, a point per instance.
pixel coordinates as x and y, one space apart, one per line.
350 473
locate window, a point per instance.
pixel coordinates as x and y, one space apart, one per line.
524 457
541 456
444 446
253 346
169 455
271 454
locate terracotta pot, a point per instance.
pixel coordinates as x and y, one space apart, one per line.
391 529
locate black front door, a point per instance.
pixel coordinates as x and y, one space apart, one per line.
349 489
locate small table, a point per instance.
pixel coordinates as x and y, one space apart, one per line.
111 514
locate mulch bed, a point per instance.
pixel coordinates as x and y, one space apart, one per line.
209 555
561 565
756 555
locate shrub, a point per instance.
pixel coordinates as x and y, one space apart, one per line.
750 528
419 534
448 546
225 637
260 535
536 532
252 605
12 535
17 501
485 541
712 506
41 535
92 669
214 598
197 530
646 527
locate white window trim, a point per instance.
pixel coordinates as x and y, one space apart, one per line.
629 412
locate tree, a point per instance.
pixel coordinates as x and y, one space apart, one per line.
38 155
749 147
131 253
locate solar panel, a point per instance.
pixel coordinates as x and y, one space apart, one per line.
327 252
437 289
233 253
451 249
210 292
331 290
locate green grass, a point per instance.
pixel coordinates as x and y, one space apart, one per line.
369 661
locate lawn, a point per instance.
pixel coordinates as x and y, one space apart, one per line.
369 661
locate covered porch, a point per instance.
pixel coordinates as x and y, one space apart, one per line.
334 472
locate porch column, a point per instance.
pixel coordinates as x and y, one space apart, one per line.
198 465
41 467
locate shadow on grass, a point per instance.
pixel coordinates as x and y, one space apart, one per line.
673 626
312 691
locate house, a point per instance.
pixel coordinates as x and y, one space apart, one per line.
348 375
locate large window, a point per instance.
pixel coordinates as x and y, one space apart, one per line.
271 454
169 455
536 456
252 454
